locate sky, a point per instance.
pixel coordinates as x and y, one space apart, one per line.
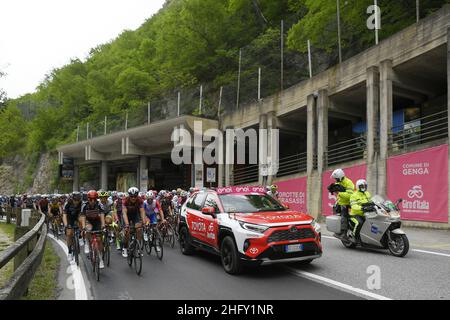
37 36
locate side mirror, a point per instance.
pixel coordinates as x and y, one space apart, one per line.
398 202
210 211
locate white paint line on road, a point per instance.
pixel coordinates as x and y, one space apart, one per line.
431 252
335 284
416 250
78 281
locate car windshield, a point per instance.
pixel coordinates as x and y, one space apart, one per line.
249 203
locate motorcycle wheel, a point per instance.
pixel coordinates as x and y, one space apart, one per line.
399 246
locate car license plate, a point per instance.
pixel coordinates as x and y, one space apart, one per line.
293 248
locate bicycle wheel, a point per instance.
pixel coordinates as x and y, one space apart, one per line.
130 253
148 243
137 260
107 255
158 245
76 249
170 236
97 264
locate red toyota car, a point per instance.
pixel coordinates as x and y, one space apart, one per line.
245 226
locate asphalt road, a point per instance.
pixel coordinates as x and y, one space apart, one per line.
340 274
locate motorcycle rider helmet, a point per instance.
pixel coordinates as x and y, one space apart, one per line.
361 185
338 175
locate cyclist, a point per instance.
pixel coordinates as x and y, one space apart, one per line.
93 219
43 205
108 206
71 217
151 208
165 204
118 217
133 212
55 211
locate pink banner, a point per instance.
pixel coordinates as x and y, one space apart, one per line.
353 173
421 180
293 193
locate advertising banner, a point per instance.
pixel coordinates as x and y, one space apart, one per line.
353 173
293 193
421 180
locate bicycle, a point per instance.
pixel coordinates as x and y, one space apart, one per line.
55 226
174 220
154 240
75 244
134 251
107 246
167 232
94 252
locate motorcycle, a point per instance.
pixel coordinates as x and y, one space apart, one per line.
380 230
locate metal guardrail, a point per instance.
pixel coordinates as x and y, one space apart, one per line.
348 150
292 165
18 284
246 175
420 131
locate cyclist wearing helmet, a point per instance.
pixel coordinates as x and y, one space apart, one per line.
118 218
107 206
133 212
357 200
165 204
151 208
93 219
344 187
55 211
43 205
71 217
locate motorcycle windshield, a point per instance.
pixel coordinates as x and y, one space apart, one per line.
378 200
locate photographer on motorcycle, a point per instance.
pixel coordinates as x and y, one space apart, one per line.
344 189
360 202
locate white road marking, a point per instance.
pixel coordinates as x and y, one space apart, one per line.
431 252
79 285
416 250
334 283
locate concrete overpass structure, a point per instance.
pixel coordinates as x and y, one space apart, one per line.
405 75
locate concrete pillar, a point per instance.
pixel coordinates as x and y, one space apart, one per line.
104 176
322 130
372 109
262 180
76 178
229 157
311 141
272 146
143 173
386 109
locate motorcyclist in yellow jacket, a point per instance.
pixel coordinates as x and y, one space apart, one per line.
343 198
357 200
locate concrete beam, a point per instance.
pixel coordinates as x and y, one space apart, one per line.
346 110
373 106
92 155
386 109
76 179
322 130
311 136
410 83
288 126
104 175
128 148
409 94
263 147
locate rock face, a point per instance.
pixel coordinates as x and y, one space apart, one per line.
13 172
43 176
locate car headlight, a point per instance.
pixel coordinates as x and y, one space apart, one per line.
315 225
253 227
